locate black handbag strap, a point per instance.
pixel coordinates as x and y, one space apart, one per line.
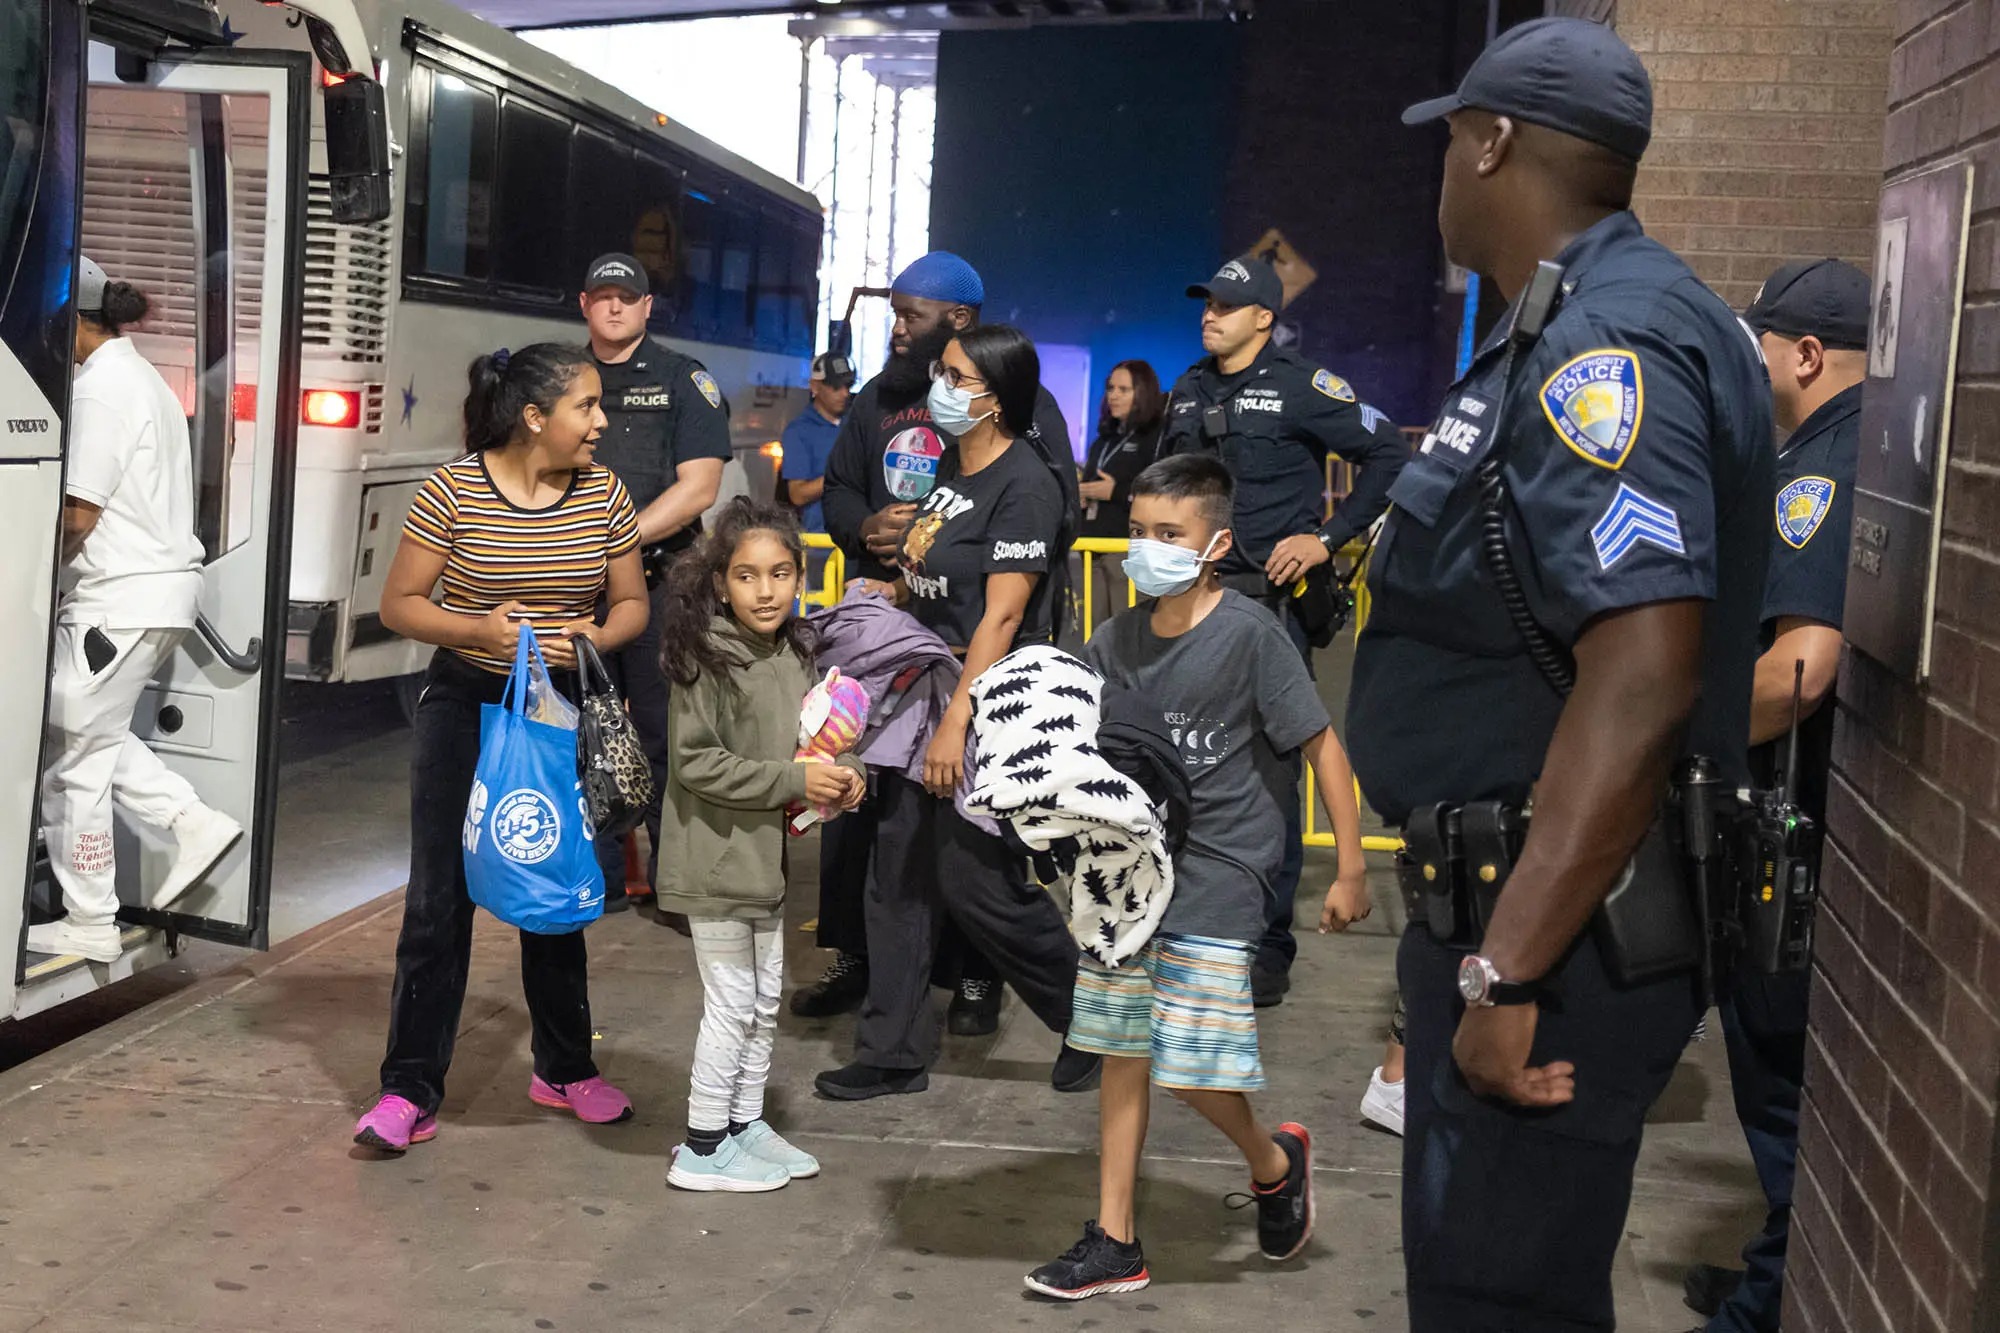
589 663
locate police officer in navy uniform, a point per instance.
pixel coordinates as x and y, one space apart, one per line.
1273 417
1626 456
1811 317
667 439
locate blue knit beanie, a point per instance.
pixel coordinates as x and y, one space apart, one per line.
942 276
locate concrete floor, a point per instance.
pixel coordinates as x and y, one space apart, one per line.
186 1164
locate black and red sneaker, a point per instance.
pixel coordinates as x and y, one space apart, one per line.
1285 1208
1095 1266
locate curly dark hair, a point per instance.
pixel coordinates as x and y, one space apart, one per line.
688 646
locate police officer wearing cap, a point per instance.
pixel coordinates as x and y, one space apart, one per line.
1273 417
1811 317
1566 600
809 438
667 439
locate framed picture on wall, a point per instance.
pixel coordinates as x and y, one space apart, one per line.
1918 296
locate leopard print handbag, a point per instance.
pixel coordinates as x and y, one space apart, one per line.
617 780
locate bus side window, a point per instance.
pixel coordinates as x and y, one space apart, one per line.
804 327
534 162
603 199
656 240
735 304
774 280
699 223
457 198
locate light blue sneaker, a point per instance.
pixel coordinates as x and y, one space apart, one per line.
760 1140
729 1168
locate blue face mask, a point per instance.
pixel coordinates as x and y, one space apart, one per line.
951 409
1161 569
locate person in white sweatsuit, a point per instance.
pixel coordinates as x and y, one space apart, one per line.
132 582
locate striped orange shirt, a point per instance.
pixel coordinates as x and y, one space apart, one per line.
555 561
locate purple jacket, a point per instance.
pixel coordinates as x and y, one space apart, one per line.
873 641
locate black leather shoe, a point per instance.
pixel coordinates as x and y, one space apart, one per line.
1268 987
1075 1071
840 989
1706 1286
858 1082
975 1009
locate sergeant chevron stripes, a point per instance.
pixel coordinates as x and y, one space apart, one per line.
1633 518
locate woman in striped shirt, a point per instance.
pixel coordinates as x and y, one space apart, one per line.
525 529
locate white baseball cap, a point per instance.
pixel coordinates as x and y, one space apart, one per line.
90 282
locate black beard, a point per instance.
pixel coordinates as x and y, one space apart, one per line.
908 374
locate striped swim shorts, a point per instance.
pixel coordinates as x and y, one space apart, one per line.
1184 1002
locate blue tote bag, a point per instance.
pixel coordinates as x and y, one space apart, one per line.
529 853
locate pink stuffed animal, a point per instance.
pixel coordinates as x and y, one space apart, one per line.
832 719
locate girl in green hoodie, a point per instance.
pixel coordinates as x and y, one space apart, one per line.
741 663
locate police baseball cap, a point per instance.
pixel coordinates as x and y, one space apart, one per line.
90 283
615 270
831 369
1814 298
1564 74
1243 282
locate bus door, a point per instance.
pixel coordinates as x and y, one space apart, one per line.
194 191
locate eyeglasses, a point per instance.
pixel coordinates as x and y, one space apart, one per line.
952 376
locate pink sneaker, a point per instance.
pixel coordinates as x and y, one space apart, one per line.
594 1101
393 1124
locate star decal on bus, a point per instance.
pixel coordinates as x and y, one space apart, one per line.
409 399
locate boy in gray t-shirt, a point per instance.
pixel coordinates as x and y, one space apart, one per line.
1238 701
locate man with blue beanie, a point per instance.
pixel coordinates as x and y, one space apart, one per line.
885 461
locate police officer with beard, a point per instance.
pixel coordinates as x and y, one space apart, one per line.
1566 598
667 440
883 463
1273 417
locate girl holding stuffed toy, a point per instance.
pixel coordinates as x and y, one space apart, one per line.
741 664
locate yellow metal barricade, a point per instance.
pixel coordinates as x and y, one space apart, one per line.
834 574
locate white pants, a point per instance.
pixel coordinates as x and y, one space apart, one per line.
94 760
742 972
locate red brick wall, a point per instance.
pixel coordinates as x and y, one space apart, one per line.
1767 131
1892 1227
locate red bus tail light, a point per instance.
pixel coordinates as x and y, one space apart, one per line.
330 407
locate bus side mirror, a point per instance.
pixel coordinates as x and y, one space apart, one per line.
357 149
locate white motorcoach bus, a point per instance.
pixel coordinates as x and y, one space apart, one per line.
512 170
331 207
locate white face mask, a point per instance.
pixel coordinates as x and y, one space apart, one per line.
1161 569
951 409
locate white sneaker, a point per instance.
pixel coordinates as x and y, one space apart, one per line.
100 944
203 836
1383 1103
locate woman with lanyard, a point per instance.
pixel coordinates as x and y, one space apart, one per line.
525 530
976 561
1127 443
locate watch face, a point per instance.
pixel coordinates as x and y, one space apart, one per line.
1472 981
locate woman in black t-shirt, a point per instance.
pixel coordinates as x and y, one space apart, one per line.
1127 443
976 561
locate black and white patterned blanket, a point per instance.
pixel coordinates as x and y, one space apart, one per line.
1034 728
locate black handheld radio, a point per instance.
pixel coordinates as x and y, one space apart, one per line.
1782 895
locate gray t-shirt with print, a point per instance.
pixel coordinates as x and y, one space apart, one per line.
1237 699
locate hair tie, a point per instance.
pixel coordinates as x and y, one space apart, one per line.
500 360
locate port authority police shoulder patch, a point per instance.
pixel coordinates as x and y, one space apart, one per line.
1802 507
1632 518
1333 386
1595 402
709 390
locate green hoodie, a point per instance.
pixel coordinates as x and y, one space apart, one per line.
730 775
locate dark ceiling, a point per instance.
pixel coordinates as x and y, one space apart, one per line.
890 13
